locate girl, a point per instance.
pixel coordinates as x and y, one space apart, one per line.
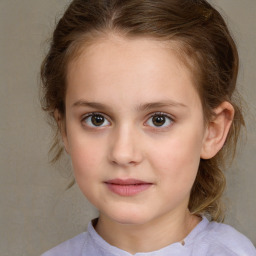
142 92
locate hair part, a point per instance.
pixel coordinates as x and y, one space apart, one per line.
204 44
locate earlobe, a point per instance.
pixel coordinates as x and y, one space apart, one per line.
62 129
217 130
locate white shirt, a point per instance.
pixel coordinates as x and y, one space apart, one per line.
206 239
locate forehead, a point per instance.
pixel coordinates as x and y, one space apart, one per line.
98 49
138 64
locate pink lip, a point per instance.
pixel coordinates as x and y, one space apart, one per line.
127 187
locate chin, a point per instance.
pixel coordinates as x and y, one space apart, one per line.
130 217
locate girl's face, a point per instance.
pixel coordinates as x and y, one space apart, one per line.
134 129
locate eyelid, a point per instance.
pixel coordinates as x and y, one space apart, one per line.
170 117
94 113
161 114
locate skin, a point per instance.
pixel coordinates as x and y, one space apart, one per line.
127 78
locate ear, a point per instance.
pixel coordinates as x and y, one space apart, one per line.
217 130
62 128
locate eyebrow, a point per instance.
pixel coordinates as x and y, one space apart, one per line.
140 107
152 105
84 103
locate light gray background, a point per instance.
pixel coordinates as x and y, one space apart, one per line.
36 211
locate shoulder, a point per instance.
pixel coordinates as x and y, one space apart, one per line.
72 247
223 240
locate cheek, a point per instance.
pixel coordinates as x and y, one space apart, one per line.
85 161
177 160
86 158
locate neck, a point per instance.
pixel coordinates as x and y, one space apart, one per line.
148 237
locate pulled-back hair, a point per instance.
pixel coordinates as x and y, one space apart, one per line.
205 45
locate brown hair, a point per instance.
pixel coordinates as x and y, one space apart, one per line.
204 43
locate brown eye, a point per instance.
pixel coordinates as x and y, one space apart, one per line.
158 120
95 120
98 120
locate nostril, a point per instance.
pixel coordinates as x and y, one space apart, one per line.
124 163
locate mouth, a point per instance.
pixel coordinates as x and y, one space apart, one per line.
127 187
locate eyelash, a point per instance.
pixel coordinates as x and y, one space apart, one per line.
152 115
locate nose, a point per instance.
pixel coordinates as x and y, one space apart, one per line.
125 147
